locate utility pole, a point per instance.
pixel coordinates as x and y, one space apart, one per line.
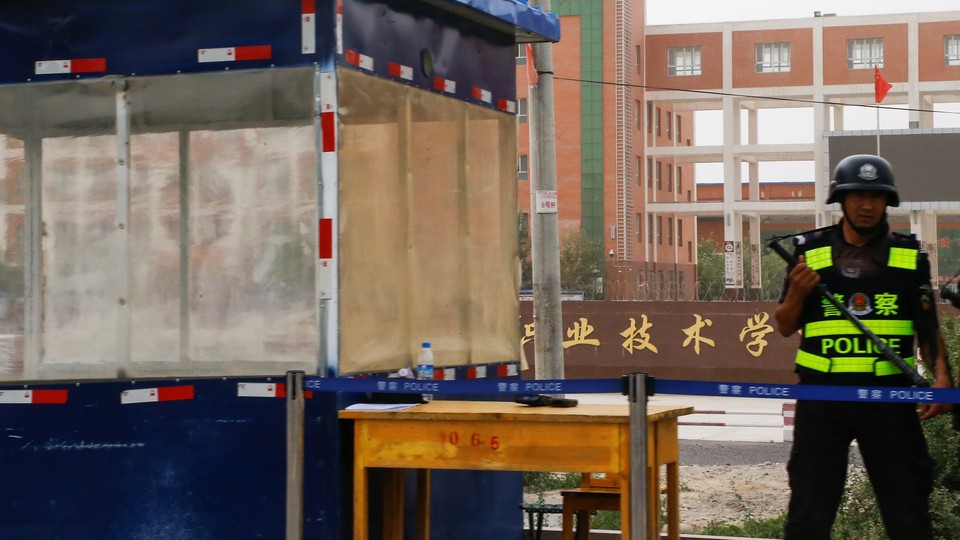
545 238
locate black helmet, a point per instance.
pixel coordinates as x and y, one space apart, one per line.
863 172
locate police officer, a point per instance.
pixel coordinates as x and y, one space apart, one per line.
884 279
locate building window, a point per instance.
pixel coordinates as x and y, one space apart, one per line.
523 171
679 180
773 57
639 228
864 53
951 50
521 54
679 232
659 174
522 110
656 122
650 228
670 231
638 107
683 61
649 117
639 172
669 125
659 230
650 173
679 130
669 181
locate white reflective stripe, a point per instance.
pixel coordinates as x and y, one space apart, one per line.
16 396
257 389
222 54
366 62
308 30
140 395
52 67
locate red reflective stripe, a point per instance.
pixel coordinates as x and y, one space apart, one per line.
325 250
308 6
88 65
49 397
328 131
254 52
174 393
352 57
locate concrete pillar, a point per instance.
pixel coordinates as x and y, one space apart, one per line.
923 223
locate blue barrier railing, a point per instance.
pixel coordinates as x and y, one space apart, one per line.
878 394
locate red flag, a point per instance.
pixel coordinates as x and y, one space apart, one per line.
532 76
880 86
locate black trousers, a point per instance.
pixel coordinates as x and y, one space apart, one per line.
894 454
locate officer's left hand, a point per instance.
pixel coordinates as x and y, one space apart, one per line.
930 410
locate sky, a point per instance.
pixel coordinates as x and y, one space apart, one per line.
698 11
799 122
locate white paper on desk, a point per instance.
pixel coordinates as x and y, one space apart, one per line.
381 406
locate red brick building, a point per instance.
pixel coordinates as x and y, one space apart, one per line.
626 96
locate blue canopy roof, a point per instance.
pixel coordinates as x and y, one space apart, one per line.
530 23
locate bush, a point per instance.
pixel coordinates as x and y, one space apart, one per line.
751 528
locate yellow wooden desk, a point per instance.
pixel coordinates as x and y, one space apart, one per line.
508 437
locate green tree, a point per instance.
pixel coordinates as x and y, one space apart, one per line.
581 261
526 261
11 279
581 264
772 269
709 269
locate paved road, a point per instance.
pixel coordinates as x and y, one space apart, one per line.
720 418
754 432
713 453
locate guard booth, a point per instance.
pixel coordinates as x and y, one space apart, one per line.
198 197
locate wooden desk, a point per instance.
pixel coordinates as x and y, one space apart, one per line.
508 437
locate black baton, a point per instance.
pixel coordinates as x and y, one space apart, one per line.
915 378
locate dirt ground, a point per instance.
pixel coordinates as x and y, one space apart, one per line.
731 494
723 493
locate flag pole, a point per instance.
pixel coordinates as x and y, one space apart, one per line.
880 89
877 106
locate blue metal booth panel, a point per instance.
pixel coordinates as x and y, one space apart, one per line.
204 467
48 40
415 43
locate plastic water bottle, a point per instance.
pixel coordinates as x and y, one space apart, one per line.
425 366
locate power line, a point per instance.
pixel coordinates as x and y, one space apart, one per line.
752 96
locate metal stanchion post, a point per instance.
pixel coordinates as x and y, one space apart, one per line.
295 419
637 388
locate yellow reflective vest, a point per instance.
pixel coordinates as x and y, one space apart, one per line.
885 303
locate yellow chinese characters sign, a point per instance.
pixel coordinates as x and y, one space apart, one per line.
682 340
